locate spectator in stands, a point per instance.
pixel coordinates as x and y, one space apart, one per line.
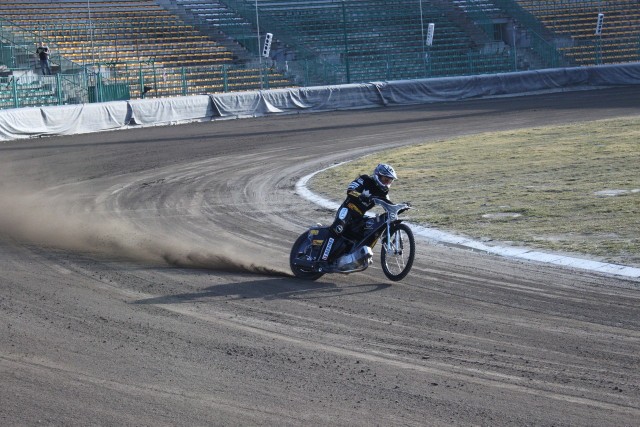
43 53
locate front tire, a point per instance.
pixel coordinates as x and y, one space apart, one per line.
300 249
398 260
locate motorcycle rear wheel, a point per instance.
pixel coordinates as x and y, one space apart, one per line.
397 262
299 250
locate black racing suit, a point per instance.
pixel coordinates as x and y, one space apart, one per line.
359 200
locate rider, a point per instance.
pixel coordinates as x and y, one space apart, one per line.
359 200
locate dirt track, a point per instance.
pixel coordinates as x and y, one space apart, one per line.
144 281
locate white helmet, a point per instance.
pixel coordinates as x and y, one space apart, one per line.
384 175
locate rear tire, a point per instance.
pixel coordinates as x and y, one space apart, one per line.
300 249
397 263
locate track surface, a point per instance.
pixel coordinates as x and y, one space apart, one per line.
144 282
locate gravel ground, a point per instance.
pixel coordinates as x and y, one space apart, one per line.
145 282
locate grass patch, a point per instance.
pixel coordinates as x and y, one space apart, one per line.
574 188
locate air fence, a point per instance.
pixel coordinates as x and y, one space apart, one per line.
102 116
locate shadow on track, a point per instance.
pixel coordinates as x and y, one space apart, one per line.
267 289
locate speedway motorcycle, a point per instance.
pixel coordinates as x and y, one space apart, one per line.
354 250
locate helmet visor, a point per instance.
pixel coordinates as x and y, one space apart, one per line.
385 180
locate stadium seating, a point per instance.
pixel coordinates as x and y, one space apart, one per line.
133 39
378 39
121 30
181 47
27 91
573 24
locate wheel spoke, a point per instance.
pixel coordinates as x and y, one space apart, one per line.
398 253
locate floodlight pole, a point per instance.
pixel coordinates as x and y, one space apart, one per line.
428 43
598 33
515 49
422 40
259 47
93 59
346 41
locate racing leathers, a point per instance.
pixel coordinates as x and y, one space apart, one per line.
360 193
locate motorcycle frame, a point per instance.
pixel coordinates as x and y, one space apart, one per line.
386 222
388 218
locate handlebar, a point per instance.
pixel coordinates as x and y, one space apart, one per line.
393 209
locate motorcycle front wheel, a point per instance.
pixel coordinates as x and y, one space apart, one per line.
397 257
300 249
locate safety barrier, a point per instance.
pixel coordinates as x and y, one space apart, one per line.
84 118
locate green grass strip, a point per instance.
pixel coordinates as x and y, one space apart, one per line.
572 188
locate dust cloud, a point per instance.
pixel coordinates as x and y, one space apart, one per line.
55 222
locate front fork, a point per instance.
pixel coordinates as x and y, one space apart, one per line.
396 247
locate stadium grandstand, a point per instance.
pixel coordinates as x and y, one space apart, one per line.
103 50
